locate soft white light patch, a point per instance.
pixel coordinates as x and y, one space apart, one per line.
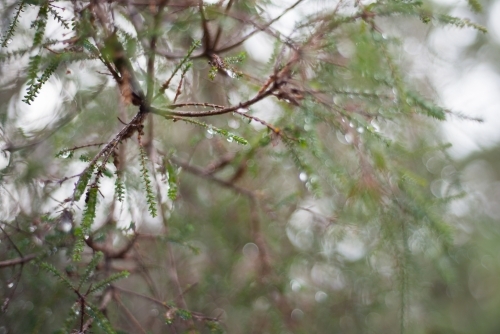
449 42
447 3
476 94
266 110
494 22
259 47
351 247
42 111
286 24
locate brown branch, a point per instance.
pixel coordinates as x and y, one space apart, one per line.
110 253
213 112
218 34
206 32
19 260
202 173
196 315
152 51
259 28
129 314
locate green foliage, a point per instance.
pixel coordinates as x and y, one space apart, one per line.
185 61
106 282
65 154
225 65
172 181
90 268
230 137
460 23
426 106
83 181
150 196
61 277
214 327
59 18
34 87
83 231
8 56
100 319
332 216
7 38
39 24
119 187
475 5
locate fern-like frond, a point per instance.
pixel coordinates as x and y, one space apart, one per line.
172 181
150 197
33 66
193 47
460 23
90 268
39 24
12 26
429 108
34 88
88 218
230 137
81 185
119 187
51 269
5 57
59 18
475 5
107 281
99 319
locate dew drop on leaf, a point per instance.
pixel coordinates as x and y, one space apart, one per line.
303 177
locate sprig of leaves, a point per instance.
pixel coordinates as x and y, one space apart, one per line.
150 197
84 229
230 137
12 26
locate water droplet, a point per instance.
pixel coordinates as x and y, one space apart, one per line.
295 285
230 139
303 177
251 250
234 124
32 228
297 314
349 138
320 296
9 41
10 285
66 226
66 154
361 129
351 124
210 130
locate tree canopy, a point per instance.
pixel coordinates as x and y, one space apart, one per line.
197 167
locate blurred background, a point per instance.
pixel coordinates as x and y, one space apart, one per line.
306 258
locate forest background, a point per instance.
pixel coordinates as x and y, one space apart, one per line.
249 166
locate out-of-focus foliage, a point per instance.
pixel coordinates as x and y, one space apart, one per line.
182 183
